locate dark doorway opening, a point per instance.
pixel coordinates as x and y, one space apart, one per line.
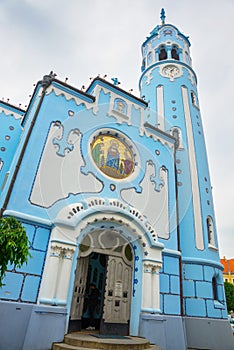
111 274
93 306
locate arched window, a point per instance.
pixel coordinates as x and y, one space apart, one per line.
210 230
215 288
143 65
174 53
162 53
120 106
194 99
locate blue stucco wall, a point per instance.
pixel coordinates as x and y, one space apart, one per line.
10 121
170 284
198 292
22 284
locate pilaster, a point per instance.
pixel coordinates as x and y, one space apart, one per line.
57 272
150 287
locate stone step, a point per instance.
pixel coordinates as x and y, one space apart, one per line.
63 346
84 341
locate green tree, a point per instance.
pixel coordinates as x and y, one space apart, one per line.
229 291
14 244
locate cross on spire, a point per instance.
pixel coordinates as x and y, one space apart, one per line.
163 16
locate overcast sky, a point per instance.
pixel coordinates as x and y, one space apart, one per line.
79 39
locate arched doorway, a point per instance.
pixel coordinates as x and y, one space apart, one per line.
106 260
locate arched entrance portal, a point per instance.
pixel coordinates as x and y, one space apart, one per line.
105 260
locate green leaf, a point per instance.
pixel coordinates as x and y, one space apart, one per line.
14 244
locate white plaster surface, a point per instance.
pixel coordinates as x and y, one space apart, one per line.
194 176
151 203
58 176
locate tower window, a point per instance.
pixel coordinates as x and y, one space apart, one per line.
174 53
210 230
162 53
143 65
215 288
194 99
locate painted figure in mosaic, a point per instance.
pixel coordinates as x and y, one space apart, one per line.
97 153
120 107
128 163
112 159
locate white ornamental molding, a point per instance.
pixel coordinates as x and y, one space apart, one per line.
60 251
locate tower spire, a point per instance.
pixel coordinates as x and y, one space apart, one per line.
163 16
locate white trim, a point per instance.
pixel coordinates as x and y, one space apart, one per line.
69 96
8 112
199 238
31 218
160 104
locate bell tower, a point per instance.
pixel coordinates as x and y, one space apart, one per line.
169 84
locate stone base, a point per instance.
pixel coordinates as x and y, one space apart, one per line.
208 333
181 333
165 331
29 326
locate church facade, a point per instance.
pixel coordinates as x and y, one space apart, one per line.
114 190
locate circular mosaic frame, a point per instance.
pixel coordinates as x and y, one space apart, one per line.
113 154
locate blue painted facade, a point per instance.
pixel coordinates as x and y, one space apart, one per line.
162 209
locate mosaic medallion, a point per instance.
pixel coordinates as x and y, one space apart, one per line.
112 156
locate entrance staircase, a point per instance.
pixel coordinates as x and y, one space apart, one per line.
87 341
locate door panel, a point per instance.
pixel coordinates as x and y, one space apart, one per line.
118 291
79 288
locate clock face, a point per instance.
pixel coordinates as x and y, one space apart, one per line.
171 72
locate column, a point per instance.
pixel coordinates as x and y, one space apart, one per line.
180 53
168 49
56 276
155 289
156 55
64 276
146 287
150 287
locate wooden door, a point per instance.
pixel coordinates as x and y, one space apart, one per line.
79 292
118 293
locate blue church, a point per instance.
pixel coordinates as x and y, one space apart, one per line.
114 190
